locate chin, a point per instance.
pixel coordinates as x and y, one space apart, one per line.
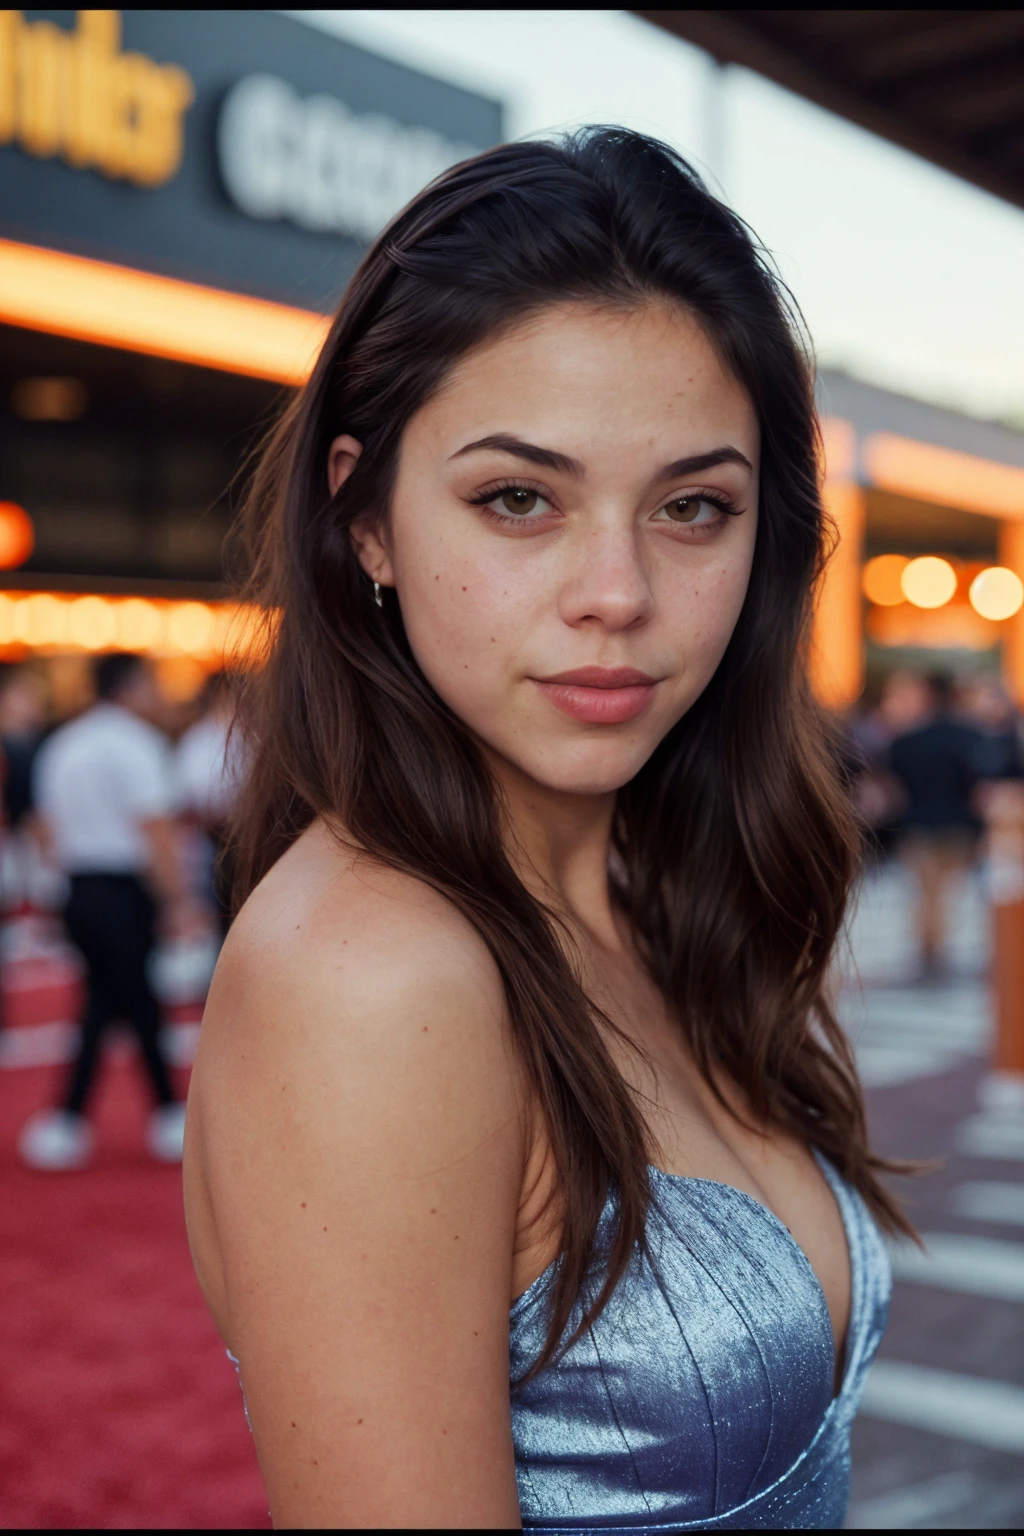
597 769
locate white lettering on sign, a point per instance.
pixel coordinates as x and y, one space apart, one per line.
317 163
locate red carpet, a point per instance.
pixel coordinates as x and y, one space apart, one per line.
118 1407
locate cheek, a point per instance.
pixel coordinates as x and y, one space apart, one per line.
704 615
464 614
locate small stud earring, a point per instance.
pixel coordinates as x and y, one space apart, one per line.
376 595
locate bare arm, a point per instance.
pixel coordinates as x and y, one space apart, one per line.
354 1111
165 861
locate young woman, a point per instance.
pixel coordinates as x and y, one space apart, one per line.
527 1175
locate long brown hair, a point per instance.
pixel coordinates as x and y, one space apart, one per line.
735 843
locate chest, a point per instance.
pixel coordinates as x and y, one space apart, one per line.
702 1383
699 1135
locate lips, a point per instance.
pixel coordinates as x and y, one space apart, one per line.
600 695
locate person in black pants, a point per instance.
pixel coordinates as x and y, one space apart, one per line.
936 767
105 795
111 919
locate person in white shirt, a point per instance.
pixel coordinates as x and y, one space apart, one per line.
105 797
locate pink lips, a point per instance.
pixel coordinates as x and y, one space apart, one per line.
600 695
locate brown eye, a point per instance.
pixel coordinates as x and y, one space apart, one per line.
684 509
518 499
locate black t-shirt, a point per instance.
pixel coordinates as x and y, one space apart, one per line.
937 764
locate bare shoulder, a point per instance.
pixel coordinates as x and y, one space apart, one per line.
324 913
337 964
354 1160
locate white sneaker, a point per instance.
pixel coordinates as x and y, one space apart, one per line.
54 1140
165 1133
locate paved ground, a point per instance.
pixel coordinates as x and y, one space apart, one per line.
939 1442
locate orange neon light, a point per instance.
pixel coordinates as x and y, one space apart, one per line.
939 474
837 652
141 312
954 625
839 447
215 633
17 535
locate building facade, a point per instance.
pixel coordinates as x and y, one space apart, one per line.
183 196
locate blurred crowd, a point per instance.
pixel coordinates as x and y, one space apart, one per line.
114 828
114 820
928 763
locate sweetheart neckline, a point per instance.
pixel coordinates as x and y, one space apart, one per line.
758 1205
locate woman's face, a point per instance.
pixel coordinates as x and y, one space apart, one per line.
571 535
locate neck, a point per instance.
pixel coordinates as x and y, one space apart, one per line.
559 845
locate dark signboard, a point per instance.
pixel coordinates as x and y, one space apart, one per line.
241 149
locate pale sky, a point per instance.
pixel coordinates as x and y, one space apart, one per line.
906 275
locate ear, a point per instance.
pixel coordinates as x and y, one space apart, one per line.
342 458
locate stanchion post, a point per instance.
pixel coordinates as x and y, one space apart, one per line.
1003 1089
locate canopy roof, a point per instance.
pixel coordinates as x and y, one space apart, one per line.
948 85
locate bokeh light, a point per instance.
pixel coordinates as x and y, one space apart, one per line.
190 628
207 634
17 535
928 582
140 624
41 619
881 580
91 623
997 593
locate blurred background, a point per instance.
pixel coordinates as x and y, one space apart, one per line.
183 195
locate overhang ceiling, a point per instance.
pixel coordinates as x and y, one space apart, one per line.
948 85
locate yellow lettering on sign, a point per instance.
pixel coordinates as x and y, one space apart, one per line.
76 95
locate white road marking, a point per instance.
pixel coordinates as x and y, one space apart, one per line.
883 1066
998 1136
918 1506
40 1045
988 1413
975 1266
988 1200
39 975
47 1045
900 1035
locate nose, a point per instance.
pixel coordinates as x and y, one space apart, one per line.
606 583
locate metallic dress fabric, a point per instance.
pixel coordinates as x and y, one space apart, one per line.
701 1397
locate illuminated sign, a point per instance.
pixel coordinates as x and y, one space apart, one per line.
318 164
238 150
78 97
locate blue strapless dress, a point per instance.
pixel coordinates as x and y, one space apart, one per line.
701 1398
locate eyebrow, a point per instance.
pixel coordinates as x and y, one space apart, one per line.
549 458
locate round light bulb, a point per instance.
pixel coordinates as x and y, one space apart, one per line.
91 623
997 593
17 535
881 580
928 582
140 624
191 628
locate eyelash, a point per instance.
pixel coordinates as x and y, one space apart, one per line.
491 493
